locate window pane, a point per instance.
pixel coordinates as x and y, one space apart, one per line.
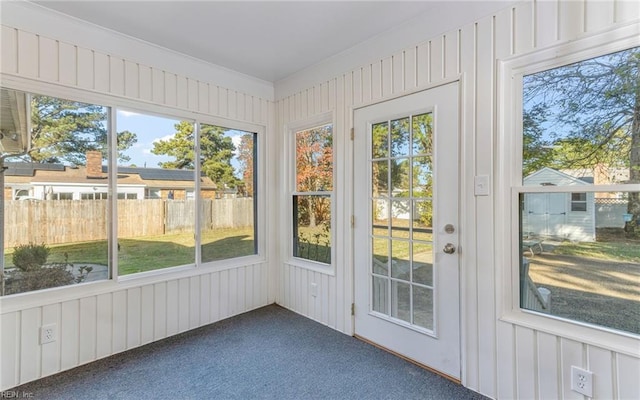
578 121
49 240
156 227
584 267
380 140
400 137
312 228
228 207
422 134
314 159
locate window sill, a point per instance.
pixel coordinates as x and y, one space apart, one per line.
618 341
326 269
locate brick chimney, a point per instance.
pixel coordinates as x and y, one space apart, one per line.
94 164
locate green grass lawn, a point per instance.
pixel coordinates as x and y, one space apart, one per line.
155 252
614 251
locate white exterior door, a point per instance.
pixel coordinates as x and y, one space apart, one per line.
406 227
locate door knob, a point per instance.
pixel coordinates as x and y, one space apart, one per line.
449 248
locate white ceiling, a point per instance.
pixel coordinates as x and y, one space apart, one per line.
270 40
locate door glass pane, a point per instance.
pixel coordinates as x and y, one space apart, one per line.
380 140
400 137
401 300
422 263
400 177
380 256
422 220
422 135
380 178
401 210
422 307
379 294
400 259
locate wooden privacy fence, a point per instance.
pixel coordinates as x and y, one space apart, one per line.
67 221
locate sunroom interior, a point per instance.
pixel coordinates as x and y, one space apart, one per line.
455 182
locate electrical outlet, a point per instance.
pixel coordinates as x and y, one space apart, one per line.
48 333
582 381
314 289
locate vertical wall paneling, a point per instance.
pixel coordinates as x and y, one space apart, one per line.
192 94
85 68
173 308
523 24
10 342
571 353
147 301
68 63
357 87
526 363
145 82
398 69
626 10
170 89
205 299
116 72
133 317
27 54
600 363
366 84
50 351
628 369
101 72
9 43
546 23
184 308
69 335
30 344
119 328
436 51
505 366
224 294
194 301
469 321
182 92
213 99
598 14
223 102
423 64
376 80
158 89
48 59
571 13
410 69
249 295
387 76
548 374
232 104
485 94
160 311
215 297
88 326
131 80
451 52
104 322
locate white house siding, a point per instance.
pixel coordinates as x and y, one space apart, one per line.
500 359
98 320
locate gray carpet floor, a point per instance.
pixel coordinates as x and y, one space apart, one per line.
269 353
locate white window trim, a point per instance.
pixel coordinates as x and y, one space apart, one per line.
509 185
290 149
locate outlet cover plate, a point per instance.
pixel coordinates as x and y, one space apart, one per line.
582 381
48 333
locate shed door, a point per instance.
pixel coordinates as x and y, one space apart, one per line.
406 227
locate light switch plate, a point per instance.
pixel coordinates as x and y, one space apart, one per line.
481 185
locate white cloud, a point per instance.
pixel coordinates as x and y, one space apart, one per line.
164 138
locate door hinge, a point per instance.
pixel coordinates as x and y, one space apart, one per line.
353 221
353 309
352 133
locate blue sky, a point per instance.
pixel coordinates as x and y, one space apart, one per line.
149 128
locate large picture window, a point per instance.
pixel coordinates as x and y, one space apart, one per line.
180 193
313 194
55 226
579 198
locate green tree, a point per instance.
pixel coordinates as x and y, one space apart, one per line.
216 152
62 131
246 157
585 114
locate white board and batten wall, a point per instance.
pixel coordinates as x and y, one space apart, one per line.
500 359
100 319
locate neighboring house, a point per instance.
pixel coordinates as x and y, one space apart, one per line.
39 181
559 215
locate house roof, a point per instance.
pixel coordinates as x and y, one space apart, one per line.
548 175
149 177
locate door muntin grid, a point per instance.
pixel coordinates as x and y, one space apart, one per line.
401 236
